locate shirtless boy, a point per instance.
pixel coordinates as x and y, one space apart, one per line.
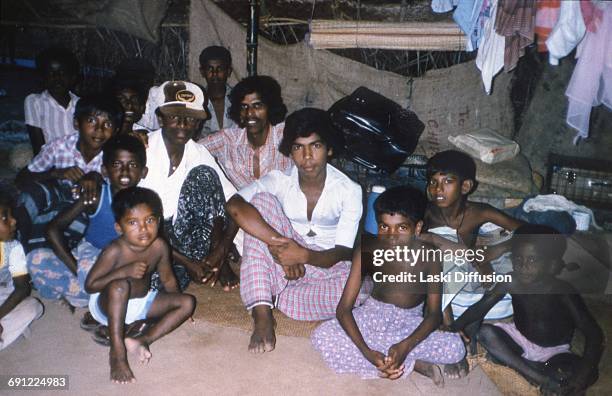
407 340
547 311
451 178
119 281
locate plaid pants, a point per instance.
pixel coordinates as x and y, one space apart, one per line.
312 297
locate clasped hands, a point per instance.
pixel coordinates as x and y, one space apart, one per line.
390 366
290 255
208 269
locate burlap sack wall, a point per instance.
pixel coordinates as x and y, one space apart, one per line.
449 101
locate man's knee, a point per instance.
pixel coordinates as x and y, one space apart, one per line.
187 302
118 288
201 172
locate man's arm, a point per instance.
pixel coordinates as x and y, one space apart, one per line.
247 217
37 138
215 143
478 310
103 272
22 290
344 312
288 252
431 321
55 233
73 173
493 215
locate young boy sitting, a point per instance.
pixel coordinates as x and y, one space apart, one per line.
17 309
49 115
66 169
452 221
124 159
547 311
388 336
77 159
119 281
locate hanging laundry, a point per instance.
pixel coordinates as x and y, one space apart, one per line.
515 21
470 16
591 82
591 14
490 58
567 33
547 14
441 6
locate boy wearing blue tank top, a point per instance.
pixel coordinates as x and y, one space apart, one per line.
123 165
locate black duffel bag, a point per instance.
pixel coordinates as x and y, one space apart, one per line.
378 133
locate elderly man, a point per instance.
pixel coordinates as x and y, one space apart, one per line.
191 186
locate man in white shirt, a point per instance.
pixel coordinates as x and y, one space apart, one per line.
191 186
301 227
49 115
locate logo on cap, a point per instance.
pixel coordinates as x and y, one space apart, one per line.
185 96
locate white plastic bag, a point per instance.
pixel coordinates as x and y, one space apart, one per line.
486 145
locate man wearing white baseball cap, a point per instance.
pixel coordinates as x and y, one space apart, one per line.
192 187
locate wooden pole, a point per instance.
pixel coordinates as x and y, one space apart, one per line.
252 33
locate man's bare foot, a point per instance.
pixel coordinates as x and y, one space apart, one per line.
139 348
263 338
430 370
457 370
227 279
120 372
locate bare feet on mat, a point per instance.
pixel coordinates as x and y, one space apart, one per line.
120 372
430 370
457 370
263 338
227 279
138 348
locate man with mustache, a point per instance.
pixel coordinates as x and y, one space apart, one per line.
250 151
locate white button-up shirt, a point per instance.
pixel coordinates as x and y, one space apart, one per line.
169 187
335 217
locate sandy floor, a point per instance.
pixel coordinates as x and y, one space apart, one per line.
202 358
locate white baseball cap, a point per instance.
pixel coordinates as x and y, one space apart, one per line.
182 98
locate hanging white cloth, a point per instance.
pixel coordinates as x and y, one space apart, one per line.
490 58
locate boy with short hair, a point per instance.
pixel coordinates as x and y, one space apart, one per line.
17 309
124 165
452 221
388 336
547 312
216 68
119 281
49 115
302 225
79 156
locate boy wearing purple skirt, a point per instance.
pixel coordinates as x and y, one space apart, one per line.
391 334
